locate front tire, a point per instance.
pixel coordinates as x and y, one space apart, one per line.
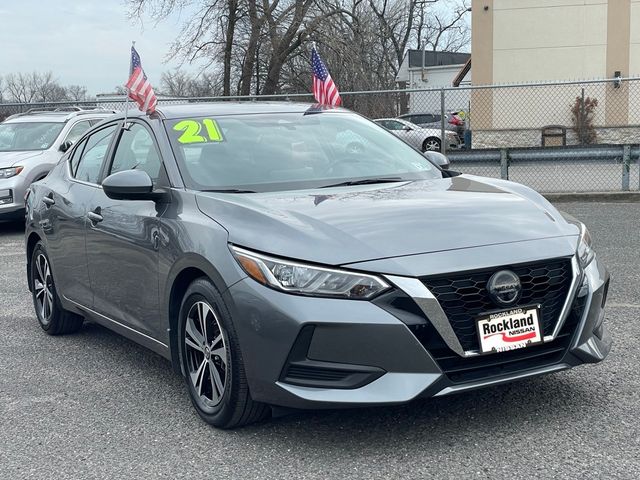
431 144
212 362
52 317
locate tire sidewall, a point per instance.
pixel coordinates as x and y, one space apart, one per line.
199 290
55 307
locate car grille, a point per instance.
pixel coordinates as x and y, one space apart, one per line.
467 369
464 296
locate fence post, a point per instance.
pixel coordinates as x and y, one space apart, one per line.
581 122
504 164
626 166
443 137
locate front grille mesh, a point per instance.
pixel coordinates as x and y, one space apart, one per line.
464 296
467 369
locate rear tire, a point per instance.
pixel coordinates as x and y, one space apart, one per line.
51 316
212 362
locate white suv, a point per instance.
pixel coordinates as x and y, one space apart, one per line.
31 144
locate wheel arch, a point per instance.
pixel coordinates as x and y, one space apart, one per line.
32 241
182 274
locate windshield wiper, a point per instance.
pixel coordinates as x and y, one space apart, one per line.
365 181
229 190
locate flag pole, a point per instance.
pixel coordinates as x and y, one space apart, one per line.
126 102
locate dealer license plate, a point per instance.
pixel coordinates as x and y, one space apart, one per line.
509 329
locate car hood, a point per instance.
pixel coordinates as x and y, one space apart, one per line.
9 159
353 224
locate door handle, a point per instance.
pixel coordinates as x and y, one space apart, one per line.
48 200
95 216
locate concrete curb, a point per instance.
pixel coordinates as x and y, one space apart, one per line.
593 197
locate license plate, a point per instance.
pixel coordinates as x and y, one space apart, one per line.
509 329
5 193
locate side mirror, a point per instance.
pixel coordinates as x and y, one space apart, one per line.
66 145
129 185
438 158
407 128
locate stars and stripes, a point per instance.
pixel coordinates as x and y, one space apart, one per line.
324 90
138 86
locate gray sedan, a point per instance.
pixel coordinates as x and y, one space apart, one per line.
276 264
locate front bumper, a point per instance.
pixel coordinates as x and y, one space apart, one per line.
12 191
360 353
453 142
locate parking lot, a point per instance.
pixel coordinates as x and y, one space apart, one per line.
94 405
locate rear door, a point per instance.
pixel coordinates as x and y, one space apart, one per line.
64 214
123 238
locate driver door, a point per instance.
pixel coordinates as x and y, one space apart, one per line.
123 240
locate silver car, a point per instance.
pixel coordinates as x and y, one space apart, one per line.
424 139
31 144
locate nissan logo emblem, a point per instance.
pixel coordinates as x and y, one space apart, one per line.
504 288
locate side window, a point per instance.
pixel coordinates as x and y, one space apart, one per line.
136 150
77 131
95 149
74 159
392 125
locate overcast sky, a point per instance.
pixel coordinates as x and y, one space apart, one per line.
84 42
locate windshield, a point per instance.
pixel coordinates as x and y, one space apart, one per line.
289 151
16 137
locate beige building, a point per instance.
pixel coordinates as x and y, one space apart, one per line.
519 41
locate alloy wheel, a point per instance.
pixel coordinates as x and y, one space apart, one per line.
432 145
206 353
43 288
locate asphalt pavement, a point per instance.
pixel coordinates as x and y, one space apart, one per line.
94 405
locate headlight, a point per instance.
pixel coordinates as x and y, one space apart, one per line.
585 251
10 172
301 279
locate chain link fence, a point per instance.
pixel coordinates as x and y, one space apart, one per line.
554 137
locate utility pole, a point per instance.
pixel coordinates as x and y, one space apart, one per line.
424 44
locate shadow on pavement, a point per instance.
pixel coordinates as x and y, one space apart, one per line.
437 422
11 227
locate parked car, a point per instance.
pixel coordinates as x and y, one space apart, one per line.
274 265
31 144
453 121
424 139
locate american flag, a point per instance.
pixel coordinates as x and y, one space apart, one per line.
324 89
140 90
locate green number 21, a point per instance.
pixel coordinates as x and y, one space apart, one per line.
192 131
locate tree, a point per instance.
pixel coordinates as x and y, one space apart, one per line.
38 87
34 87
582 117
77 93
180 84
263 46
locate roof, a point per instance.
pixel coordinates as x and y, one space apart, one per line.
235 108
59 116
434 59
